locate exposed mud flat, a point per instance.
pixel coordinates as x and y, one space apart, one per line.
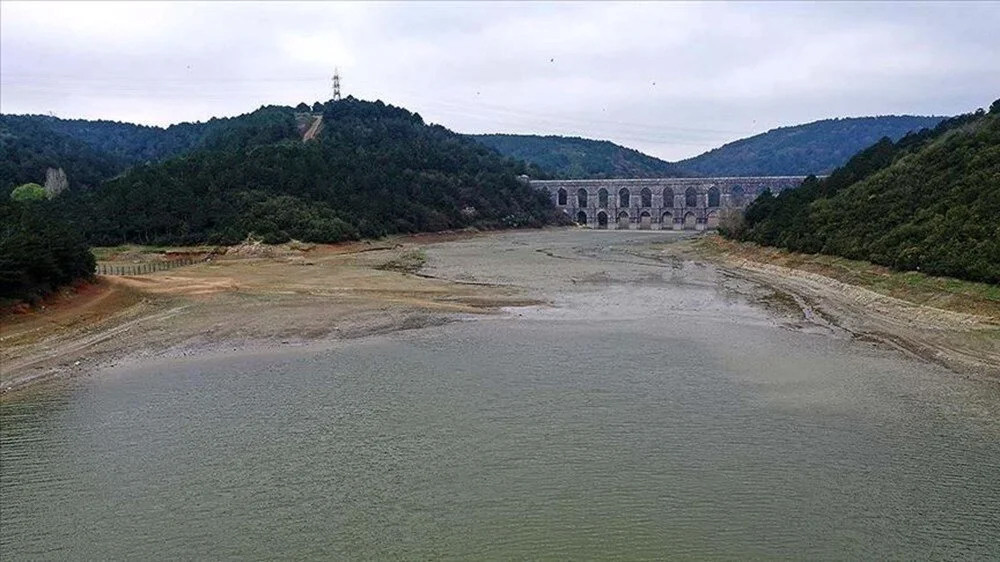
252 301
965 342
238 302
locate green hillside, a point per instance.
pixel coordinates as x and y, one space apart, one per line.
136 144
92 151
812 148
373 170
929 202
28 146
577 158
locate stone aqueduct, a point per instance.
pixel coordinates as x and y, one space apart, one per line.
658 204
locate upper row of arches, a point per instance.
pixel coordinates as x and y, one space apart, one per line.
714 197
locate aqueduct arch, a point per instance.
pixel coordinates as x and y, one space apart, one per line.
690 221
645 198
712 220
691 197
623 220
737 195
714 197
645 220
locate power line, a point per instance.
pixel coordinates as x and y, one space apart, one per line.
504 116
130 85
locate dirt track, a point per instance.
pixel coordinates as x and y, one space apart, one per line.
313 130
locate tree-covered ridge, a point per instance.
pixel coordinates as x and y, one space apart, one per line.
28 147
373 170
135 144
92 151
929 202
578 158
812 148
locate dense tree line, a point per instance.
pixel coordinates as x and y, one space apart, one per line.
28 147
813 148
136 144
127 142
93 151
38 251
374 170
929 202
577 158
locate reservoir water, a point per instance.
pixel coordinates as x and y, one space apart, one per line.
650 412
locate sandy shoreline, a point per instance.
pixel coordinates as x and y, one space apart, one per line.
297 297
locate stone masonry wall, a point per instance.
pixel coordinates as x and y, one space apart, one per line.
665 203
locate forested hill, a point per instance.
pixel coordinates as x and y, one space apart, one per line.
578 158
28 146
135 144
373 170
812 148
929 202
92 151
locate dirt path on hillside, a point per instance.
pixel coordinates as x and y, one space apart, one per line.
313 129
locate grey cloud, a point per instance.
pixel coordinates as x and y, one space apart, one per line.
721 71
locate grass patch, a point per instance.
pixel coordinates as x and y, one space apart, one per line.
408 262
135 252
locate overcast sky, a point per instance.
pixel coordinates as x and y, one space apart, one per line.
670 79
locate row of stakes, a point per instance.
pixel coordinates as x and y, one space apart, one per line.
142 268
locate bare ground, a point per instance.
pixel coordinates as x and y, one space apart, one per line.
952 323
313 129
241 301
253 297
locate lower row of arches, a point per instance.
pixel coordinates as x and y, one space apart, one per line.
688 221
